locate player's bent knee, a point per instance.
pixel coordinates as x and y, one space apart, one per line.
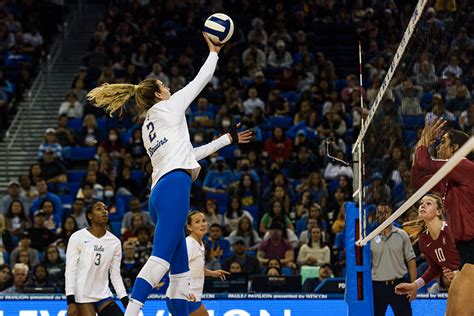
153 270
179 286
111 309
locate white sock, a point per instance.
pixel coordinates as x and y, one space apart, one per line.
134 307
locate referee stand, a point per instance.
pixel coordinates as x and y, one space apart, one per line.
358 295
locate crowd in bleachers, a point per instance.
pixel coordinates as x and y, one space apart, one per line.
289 74
25 37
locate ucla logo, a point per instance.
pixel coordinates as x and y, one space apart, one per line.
98 248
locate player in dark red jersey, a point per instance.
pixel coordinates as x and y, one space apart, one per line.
457 191
436 243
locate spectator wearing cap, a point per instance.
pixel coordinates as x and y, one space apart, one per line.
20 278
52 170
276 247
25 245
40 236
280 57
44 194
219 247
14 193
218 178
50 141
304 164
325 272
71 106
256 53
392 258
377 192
248 262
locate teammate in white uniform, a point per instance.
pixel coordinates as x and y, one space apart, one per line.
166 139
92 254
196 226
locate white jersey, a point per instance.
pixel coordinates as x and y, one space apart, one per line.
196 256
165 130
89 261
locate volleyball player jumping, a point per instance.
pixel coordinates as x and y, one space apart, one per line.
457 192
175 166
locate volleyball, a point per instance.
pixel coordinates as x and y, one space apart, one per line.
220 28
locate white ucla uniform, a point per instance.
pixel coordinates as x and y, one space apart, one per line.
165 130
196 255
89 260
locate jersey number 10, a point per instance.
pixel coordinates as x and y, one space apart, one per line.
440 254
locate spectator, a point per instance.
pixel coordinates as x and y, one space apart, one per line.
317 188
90 135
452 67
71 107
51 170
276 210
40 278
211 212
27 189
280 57
235 267
157 73
245 230
14 193
376 192
143 245
136 222
202 118
78 213
35 174
55 266
43 195
114 205
304 164
52 218
249 264
340 222
135 209
315 251
276 247
256 53
50 142
305 234
25 245
439 110
247 189
40 235
5 277
253 102
20 277
16 220
64 134
278 147
219 247
325 272
234 214
219 179
335 169
6 240
69 227
392 258
409 97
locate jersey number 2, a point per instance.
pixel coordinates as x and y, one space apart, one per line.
97 259
151 131
440 254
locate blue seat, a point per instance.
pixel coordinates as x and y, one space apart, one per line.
227 152
253 210
221 198
409 137
413 122
281 121
66 199
75 124
286 271
83 153
75 175
73 187
126 201
102 125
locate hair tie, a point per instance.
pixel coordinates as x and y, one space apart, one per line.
135 88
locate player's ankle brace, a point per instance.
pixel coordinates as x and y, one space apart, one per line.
179 286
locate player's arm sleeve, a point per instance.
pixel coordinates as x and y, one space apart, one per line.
72 257
203 151
115 276
432 272
461 174
180 101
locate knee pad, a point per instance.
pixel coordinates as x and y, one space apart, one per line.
111 310
179 286
154 270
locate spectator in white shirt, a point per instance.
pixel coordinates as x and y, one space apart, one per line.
253 102
71 107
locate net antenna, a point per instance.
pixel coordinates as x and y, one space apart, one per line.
459 155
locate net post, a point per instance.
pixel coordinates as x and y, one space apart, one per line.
359 293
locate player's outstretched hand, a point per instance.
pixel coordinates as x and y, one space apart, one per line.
432 131
405 288
241 137
212 46
219 274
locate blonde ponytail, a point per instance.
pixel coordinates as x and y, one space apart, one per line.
111 97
